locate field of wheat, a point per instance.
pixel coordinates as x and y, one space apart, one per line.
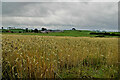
30 56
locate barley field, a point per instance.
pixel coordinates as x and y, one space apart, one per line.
32 56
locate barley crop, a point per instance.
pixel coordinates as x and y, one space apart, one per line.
26 56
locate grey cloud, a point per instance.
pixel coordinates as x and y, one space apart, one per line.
60 0
87 15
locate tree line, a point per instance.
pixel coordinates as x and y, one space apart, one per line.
23 30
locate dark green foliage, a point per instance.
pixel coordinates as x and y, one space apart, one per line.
73 29
26 29
43 29
36 30
102 34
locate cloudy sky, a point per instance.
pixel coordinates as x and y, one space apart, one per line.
87 14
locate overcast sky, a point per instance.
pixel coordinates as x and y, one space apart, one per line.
61 15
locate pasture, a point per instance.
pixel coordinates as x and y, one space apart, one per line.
33 56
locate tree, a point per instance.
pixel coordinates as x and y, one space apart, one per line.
73 29
26 30
32 30
43 29
36 30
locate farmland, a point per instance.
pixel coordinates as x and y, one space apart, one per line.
71 33
33 56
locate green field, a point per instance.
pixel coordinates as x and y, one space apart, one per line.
76 33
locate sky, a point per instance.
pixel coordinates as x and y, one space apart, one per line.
61 14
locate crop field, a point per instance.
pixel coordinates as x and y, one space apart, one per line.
33 56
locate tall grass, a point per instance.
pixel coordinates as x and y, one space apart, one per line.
26 56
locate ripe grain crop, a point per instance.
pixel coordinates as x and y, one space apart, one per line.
30 56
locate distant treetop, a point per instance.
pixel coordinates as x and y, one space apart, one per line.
43 29
73 29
